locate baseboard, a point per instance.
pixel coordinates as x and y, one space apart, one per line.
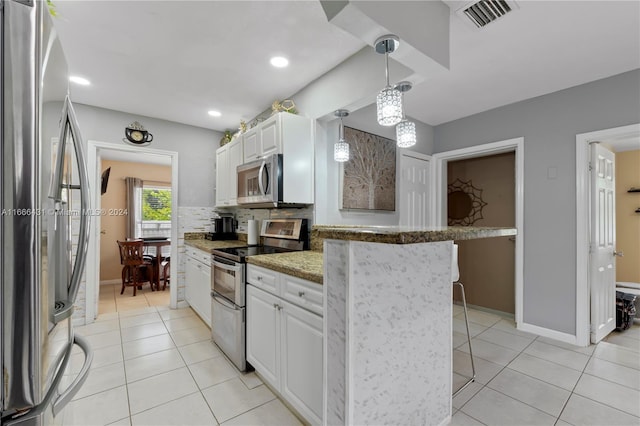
487 310
110 282
182 304
547 332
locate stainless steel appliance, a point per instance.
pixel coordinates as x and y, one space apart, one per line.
44 223
224 228
260 182
228 282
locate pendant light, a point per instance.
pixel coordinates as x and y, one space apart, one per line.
341 148
405 129
389 100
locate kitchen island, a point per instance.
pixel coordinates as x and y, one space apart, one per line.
388 322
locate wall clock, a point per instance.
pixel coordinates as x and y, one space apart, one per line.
136 134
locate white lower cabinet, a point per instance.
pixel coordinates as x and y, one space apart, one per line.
198 283
263 334
284 344
301 356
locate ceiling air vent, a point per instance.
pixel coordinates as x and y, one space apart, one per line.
484 12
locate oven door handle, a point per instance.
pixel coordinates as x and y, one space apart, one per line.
224 266
223 301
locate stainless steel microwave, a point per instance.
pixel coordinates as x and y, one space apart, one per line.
260 182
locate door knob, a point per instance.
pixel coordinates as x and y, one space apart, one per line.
618 253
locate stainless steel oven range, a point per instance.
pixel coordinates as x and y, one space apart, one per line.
228 282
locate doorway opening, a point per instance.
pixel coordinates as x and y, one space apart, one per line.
509 151
144 212
618 140
481 192
156 221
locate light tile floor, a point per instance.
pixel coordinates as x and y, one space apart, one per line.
111 300
523 379
156 366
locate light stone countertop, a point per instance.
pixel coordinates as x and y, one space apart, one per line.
405 235
207 245
302 264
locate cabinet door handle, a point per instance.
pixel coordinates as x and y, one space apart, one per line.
259 278
301 293
278 307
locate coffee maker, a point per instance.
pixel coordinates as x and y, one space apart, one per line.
223 228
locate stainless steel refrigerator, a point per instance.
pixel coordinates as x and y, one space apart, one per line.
45 216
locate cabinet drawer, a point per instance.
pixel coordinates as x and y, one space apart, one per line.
303 293
263 278
199 255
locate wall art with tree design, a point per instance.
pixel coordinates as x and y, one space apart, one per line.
369 177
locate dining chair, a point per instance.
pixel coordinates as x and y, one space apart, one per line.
136 268
166 273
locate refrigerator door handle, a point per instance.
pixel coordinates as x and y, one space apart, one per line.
70 124
83 237
71 391
63 399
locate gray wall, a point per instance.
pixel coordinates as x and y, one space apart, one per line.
328 171
195 146
549 125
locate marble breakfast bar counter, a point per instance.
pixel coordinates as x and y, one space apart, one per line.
388 322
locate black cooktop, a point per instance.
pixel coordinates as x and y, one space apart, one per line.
238 254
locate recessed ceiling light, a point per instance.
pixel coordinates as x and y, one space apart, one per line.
79 80
215 113
279 61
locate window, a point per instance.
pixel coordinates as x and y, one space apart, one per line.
156 211
156 204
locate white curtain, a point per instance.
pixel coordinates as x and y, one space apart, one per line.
134 207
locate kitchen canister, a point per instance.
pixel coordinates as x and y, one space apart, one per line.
253 231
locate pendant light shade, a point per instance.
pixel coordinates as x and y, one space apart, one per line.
389 100
389 105
341 151
405 130
406 133
341 148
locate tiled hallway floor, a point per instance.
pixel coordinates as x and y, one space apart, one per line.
523 379
155 366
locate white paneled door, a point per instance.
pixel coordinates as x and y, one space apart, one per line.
603 239
414 189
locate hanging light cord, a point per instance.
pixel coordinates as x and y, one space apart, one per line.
386 66
341 131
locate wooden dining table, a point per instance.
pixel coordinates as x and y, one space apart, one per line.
158 244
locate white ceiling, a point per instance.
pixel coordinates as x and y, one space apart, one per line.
176 60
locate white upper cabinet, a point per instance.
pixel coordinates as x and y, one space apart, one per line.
228 157
270 139
222 173
290 135
250 145
233 161
276 135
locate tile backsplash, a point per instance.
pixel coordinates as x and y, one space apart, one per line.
243 215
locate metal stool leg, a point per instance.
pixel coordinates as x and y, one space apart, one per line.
466 320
